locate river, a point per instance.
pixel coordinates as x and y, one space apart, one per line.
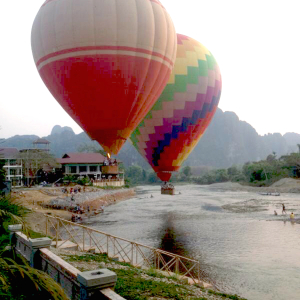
242 246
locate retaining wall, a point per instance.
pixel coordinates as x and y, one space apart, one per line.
96 284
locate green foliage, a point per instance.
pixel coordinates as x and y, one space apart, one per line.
16 275
267 171
133 285
10 212
187 171
152 178
69 178
136 175
84 181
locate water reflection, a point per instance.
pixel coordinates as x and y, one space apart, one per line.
169 240
175 241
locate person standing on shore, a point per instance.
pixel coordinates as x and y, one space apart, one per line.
283 209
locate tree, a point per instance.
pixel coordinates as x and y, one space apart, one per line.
152 177
34 160
187 171
134 174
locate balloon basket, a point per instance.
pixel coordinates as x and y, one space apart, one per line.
168 189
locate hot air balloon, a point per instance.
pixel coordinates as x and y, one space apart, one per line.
105 61
176 122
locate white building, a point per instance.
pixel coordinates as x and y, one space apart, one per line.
13 165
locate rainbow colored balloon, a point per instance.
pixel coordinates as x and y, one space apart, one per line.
177 121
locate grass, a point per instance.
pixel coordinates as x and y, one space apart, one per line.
139 284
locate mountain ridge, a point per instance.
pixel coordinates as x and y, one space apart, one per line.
227 141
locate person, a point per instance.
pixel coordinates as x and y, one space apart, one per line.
292 216
275 212
283 208
73 218
88 209
151 196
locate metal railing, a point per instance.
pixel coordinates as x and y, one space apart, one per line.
136 254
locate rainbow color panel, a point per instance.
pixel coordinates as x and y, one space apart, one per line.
177 121
106 62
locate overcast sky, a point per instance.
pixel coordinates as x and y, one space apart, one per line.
256 44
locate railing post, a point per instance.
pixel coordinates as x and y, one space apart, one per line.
107 241
177 265
131 253
12 234
46 226
83 238
56 237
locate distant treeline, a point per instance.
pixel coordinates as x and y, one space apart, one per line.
261 173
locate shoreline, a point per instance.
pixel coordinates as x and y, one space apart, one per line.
35 201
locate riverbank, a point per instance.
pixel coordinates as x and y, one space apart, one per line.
39 201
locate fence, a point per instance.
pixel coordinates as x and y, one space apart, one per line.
88 239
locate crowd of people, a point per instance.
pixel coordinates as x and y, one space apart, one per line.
72 190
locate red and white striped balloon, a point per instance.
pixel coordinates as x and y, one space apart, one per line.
105 61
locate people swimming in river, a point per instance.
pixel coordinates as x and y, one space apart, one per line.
283 209
292 216
151 196
275 213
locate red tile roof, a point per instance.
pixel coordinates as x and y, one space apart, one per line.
8 152
82 158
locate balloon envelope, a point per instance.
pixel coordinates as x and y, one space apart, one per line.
176 122
105 61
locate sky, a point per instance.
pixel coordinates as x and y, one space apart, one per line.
256 44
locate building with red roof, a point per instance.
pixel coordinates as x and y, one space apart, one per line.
93 165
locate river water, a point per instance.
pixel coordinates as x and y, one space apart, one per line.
242 246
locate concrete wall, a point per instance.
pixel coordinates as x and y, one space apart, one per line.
108 182
77 285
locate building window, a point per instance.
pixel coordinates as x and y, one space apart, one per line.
73 169
93 168
12 172
82 169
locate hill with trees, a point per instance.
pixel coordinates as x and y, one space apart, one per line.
228 141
